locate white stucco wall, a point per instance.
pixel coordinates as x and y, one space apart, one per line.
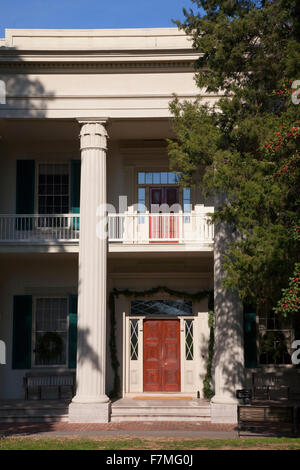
48 274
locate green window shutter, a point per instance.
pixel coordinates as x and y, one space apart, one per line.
75 186
72 331
22 332
250 335
25 187
75 190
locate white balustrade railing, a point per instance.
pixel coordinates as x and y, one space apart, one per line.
160 228
39 228
127 228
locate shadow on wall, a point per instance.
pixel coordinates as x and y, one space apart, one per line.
207 354
26 96
228 351
85 352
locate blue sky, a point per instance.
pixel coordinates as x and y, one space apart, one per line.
90 13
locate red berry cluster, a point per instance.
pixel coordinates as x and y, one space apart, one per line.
290 166
283 136
290 301
286 90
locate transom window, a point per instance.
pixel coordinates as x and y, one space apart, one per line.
158 177
53 188
164 307
51 316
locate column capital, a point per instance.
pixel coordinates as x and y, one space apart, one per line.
93 134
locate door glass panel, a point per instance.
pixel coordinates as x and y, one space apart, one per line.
156 196
134 340
172 196
189 340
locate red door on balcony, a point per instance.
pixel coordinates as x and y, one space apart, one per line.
163 228
161 356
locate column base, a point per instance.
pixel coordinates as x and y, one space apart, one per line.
224 410
89 412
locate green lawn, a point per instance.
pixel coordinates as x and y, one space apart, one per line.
66 443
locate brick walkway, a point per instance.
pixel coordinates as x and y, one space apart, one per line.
129 428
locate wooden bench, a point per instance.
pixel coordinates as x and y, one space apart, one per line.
54 380
269 386
269 418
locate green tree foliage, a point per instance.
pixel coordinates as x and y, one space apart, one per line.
245 144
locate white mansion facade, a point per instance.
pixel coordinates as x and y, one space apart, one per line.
84 124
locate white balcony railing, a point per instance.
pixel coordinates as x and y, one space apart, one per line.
160 228
127 228
54 228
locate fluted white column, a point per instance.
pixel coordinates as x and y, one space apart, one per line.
91 403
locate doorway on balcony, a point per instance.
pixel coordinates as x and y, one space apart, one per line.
159 196
164 219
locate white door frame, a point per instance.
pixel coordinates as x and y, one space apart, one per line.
133 369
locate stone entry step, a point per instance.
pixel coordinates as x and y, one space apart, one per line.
160 410
33 411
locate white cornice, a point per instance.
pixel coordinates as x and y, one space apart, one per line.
115 49
98 32
91 39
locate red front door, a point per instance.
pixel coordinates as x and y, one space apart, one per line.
164 227
161 356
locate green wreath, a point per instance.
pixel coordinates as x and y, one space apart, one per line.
268 350
49 346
